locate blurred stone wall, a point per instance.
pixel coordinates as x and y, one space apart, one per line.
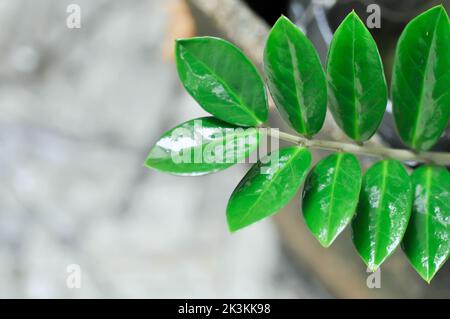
79 110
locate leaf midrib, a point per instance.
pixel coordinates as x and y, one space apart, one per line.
330 207
427 65
298 83
357 109
428 175
385 169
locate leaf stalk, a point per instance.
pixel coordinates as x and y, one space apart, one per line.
439 158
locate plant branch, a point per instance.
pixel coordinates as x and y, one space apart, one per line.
439 158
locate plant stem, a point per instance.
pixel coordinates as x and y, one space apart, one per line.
439 158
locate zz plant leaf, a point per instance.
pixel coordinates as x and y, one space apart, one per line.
388 206
383 212
222 80
330 196
356 83
295 78
427 239
421 79
268 186
201 146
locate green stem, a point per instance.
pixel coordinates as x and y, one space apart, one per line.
440 158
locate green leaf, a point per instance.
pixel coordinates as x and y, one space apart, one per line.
201 146
427 239
222 80
356 84
295 78
268 186
420 81
383 212
330 196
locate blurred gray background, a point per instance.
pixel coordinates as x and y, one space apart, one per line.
79 110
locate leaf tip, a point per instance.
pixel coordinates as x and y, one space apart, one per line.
325 243
180 41
236 222
437 10
232 226
148 160
439 7
442 10
354 17
427 276
282 20
151 164
145 164
232 229
372 267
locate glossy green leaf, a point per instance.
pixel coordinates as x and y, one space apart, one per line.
295 78
201 146
268 186
330 196
421 79
222 80
427 239
356 84
383 211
